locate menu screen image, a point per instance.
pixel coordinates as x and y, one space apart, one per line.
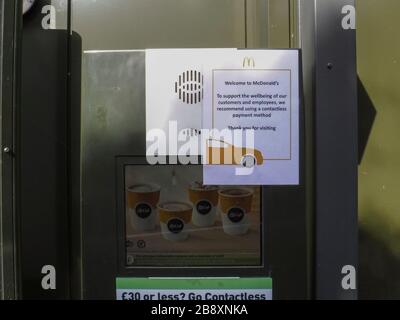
173 220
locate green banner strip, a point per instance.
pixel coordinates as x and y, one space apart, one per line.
194 283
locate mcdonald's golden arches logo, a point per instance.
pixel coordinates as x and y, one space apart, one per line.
249 62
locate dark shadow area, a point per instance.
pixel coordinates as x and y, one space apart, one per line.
366 118
379 269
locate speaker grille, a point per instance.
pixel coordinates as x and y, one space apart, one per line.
190 87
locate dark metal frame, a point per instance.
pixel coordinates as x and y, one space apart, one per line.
329 63
336 145
10 22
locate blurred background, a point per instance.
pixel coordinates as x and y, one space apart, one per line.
378 55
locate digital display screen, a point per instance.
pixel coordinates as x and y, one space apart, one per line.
173 220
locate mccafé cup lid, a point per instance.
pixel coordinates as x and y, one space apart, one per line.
200 192
175 209
199 186
235 192
144 188
175 206
235 198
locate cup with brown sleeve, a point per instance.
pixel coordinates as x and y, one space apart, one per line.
175 220
235 206
205 202
142 201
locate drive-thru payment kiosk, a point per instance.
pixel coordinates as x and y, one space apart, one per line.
179 150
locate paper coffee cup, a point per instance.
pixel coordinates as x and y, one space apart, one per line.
175 220
142 205
235 205
205 202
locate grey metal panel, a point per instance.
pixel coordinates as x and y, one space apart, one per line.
113 123
336 144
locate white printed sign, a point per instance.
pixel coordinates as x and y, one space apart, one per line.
238 109
254 94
